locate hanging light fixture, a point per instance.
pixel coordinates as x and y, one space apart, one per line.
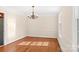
33 16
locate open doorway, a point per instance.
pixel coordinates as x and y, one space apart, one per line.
1 28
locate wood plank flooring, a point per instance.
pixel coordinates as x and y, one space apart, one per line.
36 44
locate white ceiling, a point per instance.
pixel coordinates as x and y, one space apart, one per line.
39 10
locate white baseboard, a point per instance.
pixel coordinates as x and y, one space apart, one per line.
42 36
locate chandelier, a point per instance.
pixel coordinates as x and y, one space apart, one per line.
33 16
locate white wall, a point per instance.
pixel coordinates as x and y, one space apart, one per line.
65 28
21 26
14 25
43 26
9 26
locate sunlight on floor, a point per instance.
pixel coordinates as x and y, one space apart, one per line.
30 43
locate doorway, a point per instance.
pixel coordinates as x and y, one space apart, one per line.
1 28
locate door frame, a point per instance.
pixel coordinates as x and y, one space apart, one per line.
74 29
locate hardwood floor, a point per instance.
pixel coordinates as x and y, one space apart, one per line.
32 44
